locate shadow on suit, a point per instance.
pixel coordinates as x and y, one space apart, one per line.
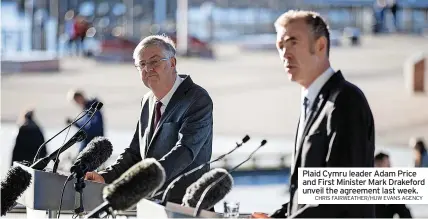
339 132
181 141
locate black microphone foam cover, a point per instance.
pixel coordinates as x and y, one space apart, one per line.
138 182
245 139
15 183
216 194
94 155
99 105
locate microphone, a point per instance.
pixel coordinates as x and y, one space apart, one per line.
94 155
43 162
300 211
15 183
94 108
171 185
195 190
98 107
90 111
136 183
199 205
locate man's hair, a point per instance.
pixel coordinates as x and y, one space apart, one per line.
380 156
315 22
162 41
73 94
420 146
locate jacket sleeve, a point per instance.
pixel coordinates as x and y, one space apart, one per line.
126 160
195 131
93 126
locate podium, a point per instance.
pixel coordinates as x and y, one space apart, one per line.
149 209
45 189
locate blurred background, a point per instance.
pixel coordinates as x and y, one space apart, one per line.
228 47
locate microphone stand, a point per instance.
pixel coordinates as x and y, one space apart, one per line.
79 185
171 185
55 167
68 126
198 206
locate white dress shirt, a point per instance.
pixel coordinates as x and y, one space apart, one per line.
165 100
311 93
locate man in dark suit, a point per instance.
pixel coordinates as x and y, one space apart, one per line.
336 127
176 121
389 210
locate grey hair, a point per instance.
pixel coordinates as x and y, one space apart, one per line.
318 26
162 41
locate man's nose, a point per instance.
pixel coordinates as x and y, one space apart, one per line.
286 54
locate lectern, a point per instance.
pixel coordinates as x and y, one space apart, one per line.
150 209
44 192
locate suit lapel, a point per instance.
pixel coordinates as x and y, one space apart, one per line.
173 104
150 120
314 113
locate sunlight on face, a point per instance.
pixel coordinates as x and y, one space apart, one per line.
296 50
154 67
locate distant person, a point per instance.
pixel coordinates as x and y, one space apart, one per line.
78 35
420 152
96 126
28 140
393 6
389 210
379 9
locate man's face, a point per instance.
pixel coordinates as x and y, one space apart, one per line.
296 50
384 163
155 69
80 101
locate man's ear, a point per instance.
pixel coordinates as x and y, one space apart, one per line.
321 45
173 62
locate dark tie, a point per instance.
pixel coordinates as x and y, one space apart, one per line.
305 107
158 113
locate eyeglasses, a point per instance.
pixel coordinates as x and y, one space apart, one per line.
150 64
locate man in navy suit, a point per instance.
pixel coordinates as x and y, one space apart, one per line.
176 121
336 127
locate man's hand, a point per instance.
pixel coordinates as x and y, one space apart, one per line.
259 215
93 176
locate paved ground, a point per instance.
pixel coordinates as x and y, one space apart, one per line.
250 91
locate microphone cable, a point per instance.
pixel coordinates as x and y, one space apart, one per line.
56 161
62 195
44 144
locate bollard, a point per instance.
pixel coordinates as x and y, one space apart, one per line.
414 73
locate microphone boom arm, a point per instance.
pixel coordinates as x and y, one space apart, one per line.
198 205
171 185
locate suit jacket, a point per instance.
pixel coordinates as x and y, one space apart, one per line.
181 141
389 211
338 132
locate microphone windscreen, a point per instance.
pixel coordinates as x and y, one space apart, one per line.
16 182
95 154
138 182
214 195
245 139
99 105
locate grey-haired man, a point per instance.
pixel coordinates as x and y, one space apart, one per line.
176 121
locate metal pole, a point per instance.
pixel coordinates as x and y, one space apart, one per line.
182 27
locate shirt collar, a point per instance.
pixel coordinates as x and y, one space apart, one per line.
312 91
165 100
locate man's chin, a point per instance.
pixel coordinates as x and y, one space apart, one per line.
291 76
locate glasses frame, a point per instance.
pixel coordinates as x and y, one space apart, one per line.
151 64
